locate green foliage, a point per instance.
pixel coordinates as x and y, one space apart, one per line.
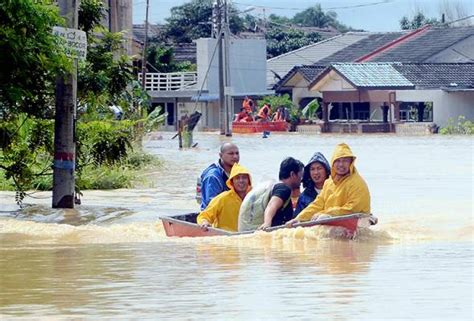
26 146
154 119
105 177
103 74
462 127
279 20
309 111
103 142
105 156
277 101
418 21
162 59
31 57
91 12
192 20
280 41
315 17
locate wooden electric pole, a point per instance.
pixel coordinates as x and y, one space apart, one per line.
64 138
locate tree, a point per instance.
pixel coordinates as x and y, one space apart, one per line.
280 41
315 17
106 77
193 20
162 60
418 21
31 57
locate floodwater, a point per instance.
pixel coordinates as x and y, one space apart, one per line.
109 258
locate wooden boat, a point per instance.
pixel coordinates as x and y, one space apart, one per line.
185 225
259 126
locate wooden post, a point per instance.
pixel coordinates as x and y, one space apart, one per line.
396 111
325 117
180 138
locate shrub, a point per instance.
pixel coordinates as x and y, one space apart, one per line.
462 127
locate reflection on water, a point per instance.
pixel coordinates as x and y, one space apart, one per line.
110 256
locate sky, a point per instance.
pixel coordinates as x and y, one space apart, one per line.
369 15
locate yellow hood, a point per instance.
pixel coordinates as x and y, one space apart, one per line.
342 150
237 170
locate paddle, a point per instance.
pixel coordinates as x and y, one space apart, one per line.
319 222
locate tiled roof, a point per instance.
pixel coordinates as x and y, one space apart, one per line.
310 54
308 72
424 46
426 76
185 52
360 48
154 30
373 75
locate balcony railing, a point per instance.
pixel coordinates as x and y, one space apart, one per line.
155 81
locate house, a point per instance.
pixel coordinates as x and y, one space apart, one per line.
427 45
184 93
359 43
393 92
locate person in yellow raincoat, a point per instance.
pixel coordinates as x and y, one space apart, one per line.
344 192
223 210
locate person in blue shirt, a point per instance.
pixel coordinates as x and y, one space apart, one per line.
315 174
214 177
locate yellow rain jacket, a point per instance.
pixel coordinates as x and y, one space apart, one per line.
346 196
223 210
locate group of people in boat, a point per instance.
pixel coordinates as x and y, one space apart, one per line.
248 112
231 202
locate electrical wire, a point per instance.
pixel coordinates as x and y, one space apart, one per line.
329 8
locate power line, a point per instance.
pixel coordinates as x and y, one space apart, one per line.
329 8
460 19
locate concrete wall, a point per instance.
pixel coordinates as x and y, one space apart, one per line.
247 63
209 110
119 18
300 90
445 104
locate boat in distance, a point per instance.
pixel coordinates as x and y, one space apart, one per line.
259 126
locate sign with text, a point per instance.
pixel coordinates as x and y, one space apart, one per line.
75 41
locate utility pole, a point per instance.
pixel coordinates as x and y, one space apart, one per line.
228 89
222 110
64 124
145 44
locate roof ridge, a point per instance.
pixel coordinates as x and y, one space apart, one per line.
393 43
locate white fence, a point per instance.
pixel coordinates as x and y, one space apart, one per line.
155 81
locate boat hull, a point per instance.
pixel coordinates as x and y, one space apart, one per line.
185 226
259 127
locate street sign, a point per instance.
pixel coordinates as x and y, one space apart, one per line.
75 41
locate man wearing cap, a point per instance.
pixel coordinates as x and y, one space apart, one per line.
344 192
